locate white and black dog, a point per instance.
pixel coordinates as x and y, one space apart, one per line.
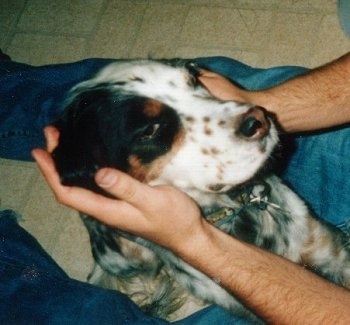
153 120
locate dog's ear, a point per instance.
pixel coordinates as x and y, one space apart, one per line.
79 153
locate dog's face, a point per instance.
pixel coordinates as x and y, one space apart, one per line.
157 123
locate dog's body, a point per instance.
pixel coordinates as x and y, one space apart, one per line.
154 121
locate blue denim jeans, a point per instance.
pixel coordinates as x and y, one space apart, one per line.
34 290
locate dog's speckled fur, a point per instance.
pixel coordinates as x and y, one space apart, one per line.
154 121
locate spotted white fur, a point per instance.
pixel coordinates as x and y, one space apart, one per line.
209 126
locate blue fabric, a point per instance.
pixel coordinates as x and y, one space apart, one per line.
344 15
34 290
247 76
31 97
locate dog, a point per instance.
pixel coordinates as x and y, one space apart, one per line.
154 120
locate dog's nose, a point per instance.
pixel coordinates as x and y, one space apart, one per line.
254 124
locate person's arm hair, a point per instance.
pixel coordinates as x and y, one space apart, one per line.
275 289
315 100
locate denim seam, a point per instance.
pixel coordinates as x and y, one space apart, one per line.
26 133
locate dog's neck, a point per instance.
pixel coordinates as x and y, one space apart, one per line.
255 194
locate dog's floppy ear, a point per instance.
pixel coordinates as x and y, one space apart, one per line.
79 153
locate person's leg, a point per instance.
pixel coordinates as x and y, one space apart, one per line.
318 169
317 166
247 76
34 290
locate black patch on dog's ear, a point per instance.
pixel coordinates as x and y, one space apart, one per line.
79 153
104 127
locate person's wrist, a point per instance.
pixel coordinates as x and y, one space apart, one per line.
256 97
193 242
204 240
264 99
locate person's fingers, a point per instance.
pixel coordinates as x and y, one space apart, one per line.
125 188
221 87
52 137
118 184
114 182
207 73
139 208
203 72
207 78
105 209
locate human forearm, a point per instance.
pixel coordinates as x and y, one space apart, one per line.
318 99
275 289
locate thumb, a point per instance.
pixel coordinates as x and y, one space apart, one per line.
122 186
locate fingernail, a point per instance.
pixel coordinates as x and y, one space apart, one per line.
105 178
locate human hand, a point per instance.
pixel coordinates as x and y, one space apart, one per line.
221 87
161 214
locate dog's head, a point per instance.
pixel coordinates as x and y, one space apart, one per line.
157 123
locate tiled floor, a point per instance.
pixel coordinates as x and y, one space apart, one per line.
258 32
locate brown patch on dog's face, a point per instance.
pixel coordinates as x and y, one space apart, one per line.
208 131
148 172
152 108
190 119
137 169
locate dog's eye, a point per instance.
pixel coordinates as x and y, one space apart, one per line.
150 132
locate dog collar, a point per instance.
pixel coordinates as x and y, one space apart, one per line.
255 194
221 216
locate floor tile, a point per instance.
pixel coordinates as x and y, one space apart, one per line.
331 41
16 180
72 248
277 5
117 29
10 11
202 26
64 16
42 49
159 32
236 29
311 5
5 37
43 217
250 58
290 33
